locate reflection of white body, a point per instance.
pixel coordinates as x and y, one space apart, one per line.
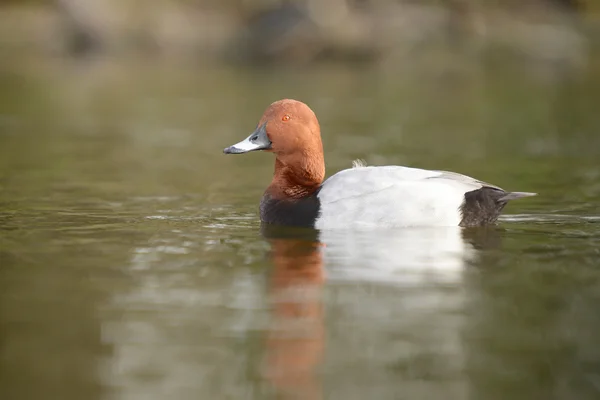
396 311
404 257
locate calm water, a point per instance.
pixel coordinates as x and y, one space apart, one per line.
133 265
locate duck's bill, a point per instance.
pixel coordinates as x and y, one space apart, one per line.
258 140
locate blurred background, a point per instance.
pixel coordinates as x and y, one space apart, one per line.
132 261
302 31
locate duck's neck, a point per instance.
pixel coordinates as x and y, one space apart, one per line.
297 179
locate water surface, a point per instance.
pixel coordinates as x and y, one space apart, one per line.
133 265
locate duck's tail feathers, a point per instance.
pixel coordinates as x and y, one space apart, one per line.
516 195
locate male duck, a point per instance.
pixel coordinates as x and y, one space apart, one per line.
390 196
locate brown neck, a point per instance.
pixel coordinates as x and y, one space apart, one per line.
295 179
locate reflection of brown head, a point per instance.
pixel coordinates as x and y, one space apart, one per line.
295 338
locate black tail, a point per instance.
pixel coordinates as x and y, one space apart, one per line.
483 206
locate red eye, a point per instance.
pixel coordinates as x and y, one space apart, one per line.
285 117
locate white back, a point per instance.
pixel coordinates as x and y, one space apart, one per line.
393 196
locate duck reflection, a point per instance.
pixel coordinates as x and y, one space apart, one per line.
295 337
396 307
405 257
399 311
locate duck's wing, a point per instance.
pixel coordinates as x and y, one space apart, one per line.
476 183
503 195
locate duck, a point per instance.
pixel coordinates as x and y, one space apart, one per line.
362 196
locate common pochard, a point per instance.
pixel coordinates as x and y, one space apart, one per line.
362 196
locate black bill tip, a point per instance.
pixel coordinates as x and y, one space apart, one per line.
232 150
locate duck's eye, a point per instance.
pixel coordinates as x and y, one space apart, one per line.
285 117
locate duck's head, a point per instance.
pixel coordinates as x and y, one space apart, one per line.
287 127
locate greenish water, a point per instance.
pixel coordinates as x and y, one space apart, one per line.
133 265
